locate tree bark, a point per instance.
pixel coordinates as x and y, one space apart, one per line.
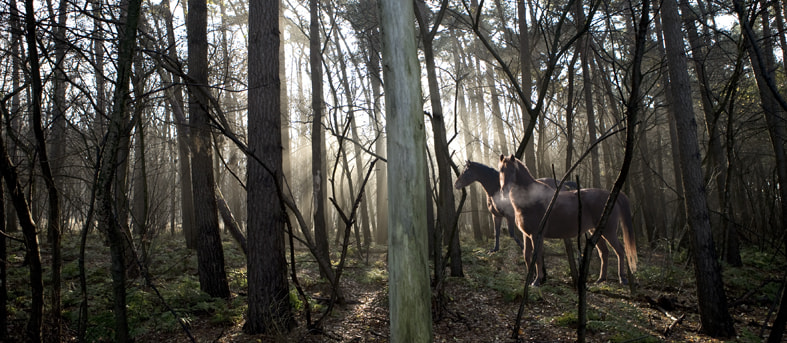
319 177
408 267
210 254
445 196
175 97
117 128
269 302
51 160
715 318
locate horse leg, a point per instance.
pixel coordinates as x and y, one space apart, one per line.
497 220
527 250
603 254
515 233
538 245
618 247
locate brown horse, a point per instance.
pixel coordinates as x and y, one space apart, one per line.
497 203
530 199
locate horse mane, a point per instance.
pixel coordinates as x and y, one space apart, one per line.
480 166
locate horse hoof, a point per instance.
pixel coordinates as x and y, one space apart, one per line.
624 282
600 280
492 251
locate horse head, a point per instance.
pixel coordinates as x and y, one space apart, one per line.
508 170
466 177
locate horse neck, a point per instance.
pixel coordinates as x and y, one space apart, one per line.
524 178
489 179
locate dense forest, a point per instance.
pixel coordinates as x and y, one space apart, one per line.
365 170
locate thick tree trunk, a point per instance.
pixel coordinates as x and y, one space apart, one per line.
408 267
210 254
715 318
269 302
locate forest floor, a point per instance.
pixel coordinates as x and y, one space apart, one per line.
479 307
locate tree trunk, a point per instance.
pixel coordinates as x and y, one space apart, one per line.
525 64
51 161
446 217
715 318
363 207
319 177
32 251
210 255
139 203
408 267
3 270
175 97
763 64
117 127
269 303
16 50
717 161
679 220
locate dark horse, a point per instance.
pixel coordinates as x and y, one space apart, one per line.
498 204
530 199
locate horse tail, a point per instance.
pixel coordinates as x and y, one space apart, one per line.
629 240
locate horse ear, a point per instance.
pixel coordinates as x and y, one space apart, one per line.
502 157
512 157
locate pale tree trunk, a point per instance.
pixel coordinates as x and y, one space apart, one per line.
714 316
446 217
210 254
408 266
319 177
269 303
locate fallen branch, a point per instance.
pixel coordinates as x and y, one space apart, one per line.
673 324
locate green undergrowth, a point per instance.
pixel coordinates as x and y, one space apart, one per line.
165 302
